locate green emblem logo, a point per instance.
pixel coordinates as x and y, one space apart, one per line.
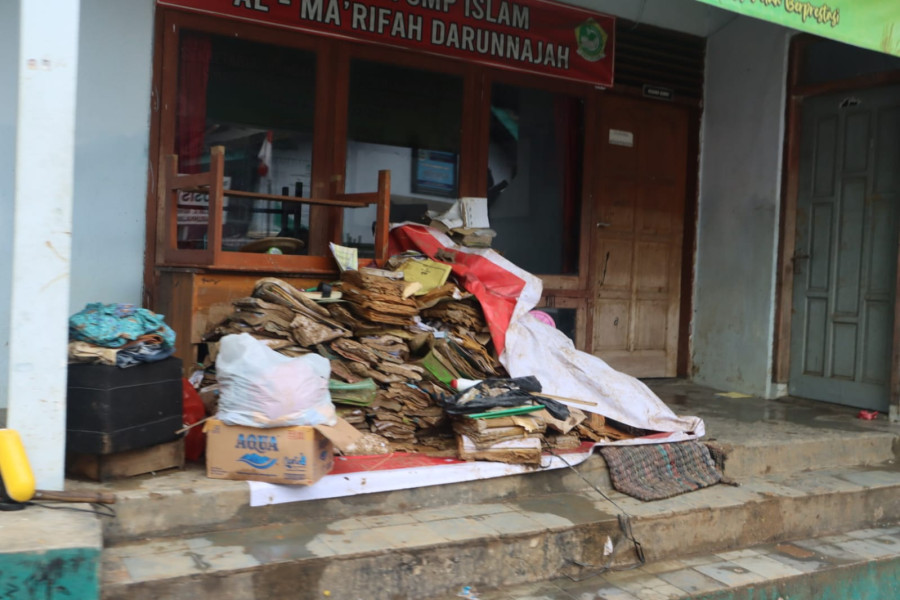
591 40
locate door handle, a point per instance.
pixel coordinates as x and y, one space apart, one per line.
799 256
601 224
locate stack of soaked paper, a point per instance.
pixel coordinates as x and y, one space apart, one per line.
363 361
484 433
354 415
387 419
465 313
446 360
466 221
281 317
403 411
378 299
418 405
394 346
454 312
526 450
473 237
596 429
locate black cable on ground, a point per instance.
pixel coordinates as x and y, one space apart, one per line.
107 510
624 520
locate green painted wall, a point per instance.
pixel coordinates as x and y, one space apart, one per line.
871 581
67 574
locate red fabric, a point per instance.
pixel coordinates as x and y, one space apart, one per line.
193 411
496 288
265 156
403 460
193 76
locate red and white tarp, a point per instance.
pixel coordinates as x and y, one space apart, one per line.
528 346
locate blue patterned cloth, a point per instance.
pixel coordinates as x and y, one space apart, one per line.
115 325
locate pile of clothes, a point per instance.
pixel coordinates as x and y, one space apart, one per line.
119 335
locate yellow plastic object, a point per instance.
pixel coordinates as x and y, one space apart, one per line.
15 470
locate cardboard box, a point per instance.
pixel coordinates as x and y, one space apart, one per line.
292 455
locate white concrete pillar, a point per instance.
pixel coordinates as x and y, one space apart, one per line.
42 228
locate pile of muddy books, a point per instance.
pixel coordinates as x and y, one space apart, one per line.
394 348
397 340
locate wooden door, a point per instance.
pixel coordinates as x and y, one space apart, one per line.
639 195
845 257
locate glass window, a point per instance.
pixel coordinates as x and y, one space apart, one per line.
408 121
257 101
534 177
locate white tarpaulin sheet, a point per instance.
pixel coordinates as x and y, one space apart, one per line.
534 348
353 483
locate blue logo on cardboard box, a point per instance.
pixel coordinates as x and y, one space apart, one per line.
257 461
259 443
298 462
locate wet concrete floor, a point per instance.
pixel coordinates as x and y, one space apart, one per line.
736 417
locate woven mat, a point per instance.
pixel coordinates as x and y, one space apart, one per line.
657 471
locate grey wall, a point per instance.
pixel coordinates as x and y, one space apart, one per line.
9 58
111 144
740 183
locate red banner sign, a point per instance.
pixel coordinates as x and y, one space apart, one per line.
526 35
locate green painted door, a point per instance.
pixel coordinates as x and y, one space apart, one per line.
845 258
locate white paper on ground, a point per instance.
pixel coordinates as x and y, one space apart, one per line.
370 482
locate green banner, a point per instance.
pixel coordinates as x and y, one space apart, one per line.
872 24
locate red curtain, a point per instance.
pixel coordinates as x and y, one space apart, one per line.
193 76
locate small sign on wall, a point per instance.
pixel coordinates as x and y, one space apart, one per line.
617 137
660 93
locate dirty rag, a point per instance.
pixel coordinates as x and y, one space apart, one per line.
116 325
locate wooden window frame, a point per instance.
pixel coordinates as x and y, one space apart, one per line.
332 94
330 136
170 24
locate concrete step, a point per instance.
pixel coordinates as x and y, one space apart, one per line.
758 437
425 552
777 452
50 551
860 564
784 435
187 502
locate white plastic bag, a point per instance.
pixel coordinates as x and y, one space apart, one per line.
260 388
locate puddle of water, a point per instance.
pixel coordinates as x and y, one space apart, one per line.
572 507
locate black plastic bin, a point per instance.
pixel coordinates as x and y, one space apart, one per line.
112 410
